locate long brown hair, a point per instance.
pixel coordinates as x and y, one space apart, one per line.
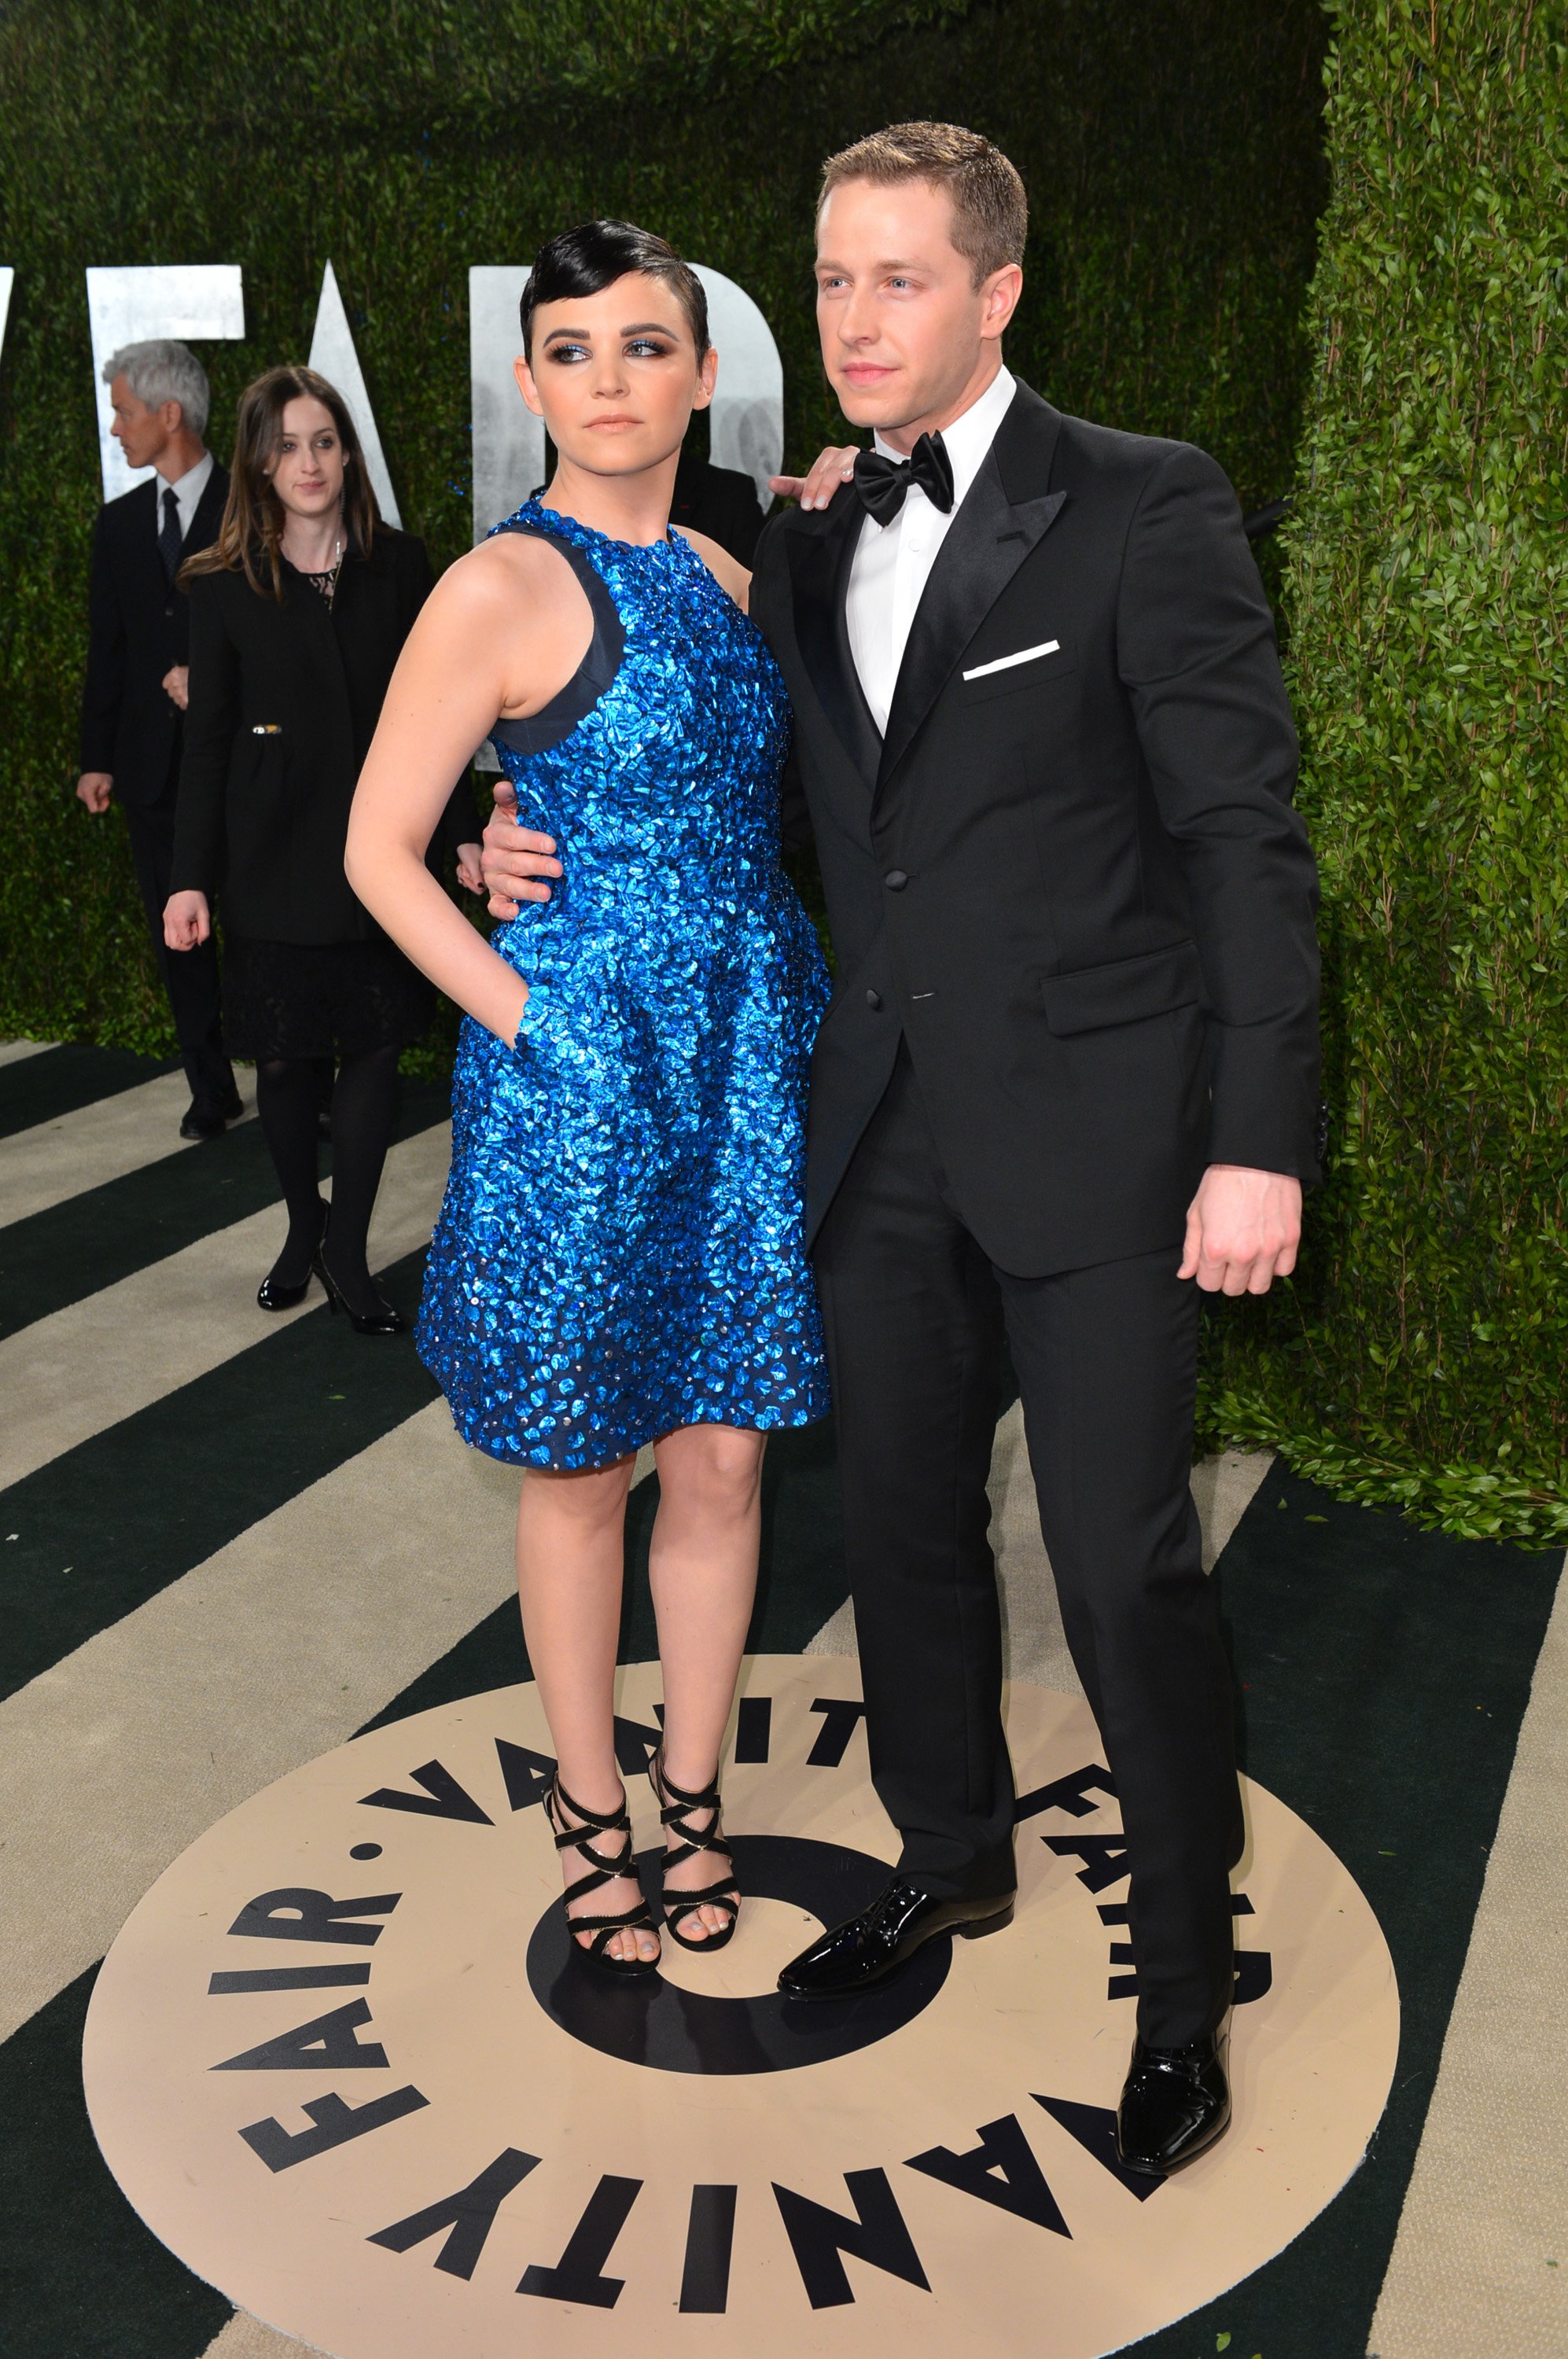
251 535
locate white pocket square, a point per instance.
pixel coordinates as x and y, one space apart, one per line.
1025 654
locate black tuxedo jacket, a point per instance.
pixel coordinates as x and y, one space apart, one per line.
1072 875
284 703
138 627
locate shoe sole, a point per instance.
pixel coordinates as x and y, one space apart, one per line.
983 1925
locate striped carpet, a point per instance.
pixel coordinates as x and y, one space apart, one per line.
228 1542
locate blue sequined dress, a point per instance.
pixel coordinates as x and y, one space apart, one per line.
619 1251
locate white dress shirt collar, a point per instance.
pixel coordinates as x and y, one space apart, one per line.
971 434
188 492
893 563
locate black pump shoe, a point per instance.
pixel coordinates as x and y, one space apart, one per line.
1175 2103
866 1948
382 1320
276 1293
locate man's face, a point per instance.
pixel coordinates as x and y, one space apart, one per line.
905 330
143 434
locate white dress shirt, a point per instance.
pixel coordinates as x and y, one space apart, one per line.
892 562
188 492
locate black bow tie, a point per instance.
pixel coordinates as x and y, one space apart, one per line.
882 482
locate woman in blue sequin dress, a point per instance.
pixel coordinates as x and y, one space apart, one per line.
618 1259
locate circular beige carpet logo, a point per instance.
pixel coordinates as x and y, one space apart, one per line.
342 2064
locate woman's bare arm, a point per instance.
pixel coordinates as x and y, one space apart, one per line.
502 632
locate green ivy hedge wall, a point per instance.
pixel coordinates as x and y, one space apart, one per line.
1421 1355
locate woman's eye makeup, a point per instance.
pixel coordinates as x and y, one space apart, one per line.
640 348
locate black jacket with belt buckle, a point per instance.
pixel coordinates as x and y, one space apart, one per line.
284 703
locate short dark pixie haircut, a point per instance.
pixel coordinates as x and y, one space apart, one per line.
587 259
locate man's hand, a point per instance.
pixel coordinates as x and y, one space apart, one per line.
470 874
187 920
1243 1229
94 787
516 860
834 467
176 685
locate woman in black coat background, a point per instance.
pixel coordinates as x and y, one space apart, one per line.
299 613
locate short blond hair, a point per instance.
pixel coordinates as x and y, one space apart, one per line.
990 211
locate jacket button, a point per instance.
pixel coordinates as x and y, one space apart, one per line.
874 999
895 880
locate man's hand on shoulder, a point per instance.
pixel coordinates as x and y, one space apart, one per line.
516 859
1243 1229
94 787
827 474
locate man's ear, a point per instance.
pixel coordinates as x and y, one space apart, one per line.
1004 289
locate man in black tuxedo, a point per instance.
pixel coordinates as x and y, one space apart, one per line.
136 668
1069 1067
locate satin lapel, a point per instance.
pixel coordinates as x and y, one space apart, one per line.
991 536
142 549
818 572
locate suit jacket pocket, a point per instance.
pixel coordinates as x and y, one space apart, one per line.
1127 991
1036 672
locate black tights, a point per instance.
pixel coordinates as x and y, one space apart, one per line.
363 1099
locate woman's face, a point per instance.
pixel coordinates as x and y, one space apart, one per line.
615 376
306 471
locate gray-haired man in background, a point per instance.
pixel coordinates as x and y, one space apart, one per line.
137 659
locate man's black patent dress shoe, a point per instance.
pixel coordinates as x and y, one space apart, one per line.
868 1947
209 1117
1175 2103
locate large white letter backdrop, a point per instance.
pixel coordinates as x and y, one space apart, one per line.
333 355
131 302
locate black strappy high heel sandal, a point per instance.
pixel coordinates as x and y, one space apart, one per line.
726 1894
603 1871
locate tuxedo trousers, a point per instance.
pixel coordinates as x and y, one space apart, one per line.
190 977
917 1317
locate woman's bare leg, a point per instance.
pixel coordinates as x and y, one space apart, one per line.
702 1570
570 1550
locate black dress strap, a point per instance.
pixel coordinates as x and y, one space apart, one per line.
559 717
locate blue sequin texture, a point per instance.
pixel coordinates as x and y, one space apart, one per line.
619 1251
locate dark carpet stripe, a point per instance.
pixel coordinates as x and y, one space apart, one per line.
97 1531
1386 1671
80 2277
71 1250
801 1581
58 1081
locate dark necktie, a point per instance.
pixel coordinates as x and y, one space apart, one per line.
170 537
883 483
